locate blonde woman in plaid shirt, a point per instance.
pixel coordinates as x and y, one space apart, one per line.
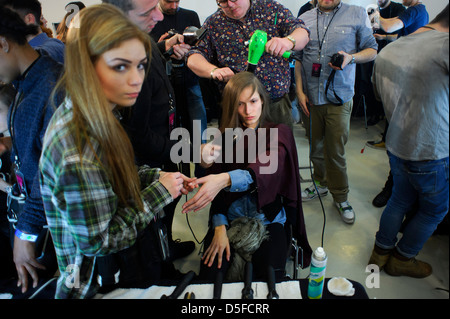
95 199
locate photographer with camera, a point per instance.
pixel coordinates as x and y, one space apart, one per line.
406 22
186 84
325 89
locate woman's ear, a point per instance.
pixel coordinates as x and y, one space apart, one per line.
4 45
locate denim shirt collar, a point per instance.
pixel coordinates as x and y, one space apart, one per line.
39 40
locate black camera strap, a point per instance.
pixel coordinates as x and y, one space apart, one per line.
330 81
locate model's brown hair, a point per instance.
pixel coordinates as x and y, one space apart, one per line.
231 95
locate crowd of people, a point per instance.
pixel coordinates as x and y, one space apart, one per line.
89 182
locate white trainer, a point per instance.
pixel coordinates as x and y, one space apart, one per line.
310 193
346 212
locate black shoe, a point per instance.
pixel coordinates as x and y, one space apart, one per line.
179 249
382 198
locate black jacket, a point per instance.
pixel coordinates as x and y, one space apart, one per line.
147 122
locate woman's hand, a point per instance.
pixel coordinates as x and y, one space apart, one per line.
218 245
211 186
177 183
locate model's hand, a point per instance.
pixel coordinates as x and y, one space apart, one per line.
211 186
219 244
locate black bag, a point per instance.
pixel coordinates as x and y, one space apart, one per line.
138 266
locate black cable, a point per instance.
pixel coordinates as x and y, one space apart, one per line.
310 161
314 182
192 231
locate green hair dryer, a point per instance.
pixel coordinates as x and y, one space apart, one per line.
257 47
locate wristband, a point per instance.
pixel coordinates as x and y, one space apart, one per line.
28 237
353 61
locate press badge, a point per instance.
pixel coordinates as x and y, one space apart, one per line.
172 113
316 69
171 119
21 182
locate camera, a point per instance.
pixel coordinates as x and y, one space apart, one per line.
191 34
337 59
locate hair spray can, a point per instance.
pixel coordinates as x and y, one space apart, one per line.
317 275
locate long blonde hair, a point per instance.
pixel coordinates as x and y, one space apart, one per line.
95 30
231 95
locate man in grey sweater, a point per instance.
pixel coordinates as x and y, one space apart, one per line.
411 76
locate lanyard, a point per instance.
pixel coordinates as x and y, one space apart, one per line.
17 101
324 35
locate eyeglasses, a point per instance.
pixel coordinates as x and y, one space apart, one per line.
224 4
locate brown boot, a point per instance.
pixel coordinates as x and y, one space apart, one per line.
379 257
398 265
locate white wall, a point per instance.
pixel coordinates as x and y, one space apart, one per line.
53 10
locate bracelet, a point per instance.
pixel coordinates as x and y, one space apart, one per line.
292 39
28 237
212 73
353 61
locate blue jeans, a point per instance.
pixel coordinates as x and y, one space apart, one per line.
426 182
196 108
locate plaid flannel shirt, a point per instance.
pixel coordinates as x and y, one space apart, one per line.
82 210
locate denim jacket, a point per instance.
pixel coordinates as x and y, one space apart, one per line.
30 121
